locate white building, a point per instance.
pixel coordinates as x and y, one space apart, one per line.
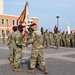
68 28
1 6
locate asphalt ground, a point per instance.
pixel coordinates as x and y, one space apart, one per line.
59 61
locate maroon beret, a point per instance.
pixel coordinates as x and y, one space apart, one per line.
33 24
14 27
20 27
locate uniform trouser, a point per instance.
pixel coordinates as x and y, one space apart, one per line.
74 43
67 43
37 54
71 43
11 50
3 40
57 43
47 41
63 43
50 40
60 42
17 57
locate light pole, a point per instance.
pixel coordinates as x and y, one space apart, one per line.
57 20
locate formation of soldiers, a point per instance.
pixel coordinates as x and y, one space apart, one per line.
16 40
59 39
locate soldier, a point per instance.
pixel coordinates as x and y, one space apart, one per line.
56 39
74 39
3 36
37 52
50 38
59 37
71 39
11 44
19 36
63 39
46 37
67 39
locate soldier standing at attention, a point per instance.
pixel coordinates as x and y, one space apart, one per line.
74 39
46 37
63 39
50 38
37 52
11 44
71 39
56 39
67 39
19 41
59 37
3 36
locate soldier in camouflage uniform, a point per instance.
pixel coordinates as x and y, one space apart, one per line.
50 38
19 41
59 37
63 39
11 44
67 39
46 37
3 36
74 39
71 39
37 52
56 39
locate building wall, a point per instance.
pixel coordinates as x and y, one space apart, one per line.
6 22
1 6
7 25
73 31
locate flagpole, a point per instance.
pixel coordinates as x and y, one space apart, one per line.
24 19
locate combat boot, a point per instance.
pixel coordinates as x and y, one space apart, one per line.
45 70
17 70
31 71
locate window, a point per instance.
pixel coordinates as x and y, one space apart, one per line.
6 21
2 21
17 22
13 22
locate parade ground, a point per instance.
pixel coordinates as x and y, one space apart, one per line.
59 61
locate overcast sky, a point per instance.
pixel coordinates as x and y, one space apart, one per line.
46 11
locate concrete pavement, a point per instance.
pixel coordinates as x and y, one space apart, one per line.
59 61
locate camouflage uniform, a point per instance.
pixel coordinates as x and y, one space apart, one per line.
3 37
11 44
67 39
46 37
37 52
18 48
74 39
71 39
59 37
56 39
50 38
63 39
